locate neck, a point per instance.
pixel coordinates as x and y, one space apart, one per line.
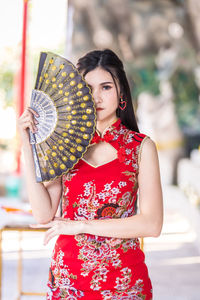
102 125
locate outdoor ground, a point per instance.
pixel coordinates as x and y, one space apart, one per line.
173 259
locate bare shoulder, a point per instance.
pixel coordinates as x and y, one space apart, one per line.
149 170
148 151
148 145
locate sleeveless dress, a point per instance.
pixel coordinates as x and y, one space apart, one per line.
92 267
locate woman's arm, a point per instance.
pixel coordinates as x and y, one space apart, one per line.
44 198
147 223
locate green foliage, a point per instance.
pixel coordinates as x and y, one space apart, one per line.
145 80
143 77
186 99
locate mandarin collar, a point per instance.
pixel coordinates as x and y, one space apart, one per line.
114 125
108 134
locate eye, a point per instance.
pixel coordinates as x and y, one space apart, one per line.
106 87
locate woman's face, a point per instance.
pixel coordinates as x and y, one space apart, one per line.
104 93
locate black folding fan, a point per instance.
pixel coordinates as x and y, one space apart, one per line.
67 117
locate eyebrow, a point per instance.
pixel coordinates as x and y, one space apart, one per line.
103 83
107 82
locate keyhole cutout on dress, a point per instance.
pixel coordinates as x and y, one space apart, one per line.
100 154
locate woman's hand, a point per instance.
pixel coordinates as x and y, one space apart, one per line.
27 121
60 226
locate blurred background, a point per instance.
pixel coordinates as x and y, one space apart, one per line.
159 43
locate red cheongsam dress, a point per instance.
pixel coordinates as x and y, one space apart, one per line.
92 267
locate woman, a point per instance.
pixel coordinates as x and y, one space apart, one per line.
97 254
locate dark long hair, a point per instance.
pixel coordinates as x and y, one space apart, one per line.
109 61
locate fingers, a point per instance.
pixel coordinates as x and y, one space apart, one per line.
33 111
31 114
51 233
29 124
56 221
27 120
47 225
56 227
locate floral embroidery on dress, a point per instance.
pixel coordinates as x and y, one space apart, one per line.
107 210
98 253
132 177
65 201
70 174
86 203
92 205
123 288
59 280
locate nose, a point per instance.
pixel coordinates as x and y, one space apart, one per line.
97 96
